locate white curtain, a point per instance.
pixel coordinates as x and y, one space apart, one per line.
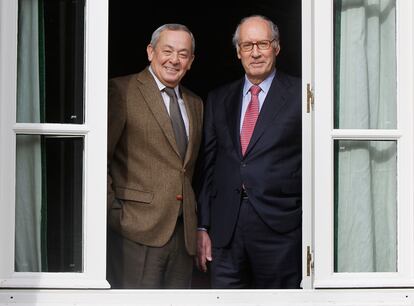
366 171
28 148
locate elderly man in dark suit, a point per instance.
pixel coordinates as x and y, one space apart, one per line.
154 134
250 194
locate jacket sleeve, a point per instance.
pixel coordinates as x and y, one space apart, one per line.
207 164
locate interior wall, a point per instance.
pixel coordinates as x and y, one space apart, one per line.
132 22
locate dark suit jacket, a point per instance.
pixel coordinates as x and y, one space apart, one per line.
145 170
271 168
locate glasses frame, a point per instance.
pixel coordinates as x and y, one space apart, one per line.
252 44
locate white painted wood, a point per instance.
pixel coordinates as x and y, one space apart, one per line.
51 128
323 29
366 134
8 70
95 175
325 135
94 133
307 141
96 140
317 52
208 297
405 101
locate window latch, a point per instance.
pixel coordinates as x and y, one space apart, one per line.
309 261
309 98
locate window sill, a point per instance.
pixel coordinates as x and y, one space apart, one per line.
320 297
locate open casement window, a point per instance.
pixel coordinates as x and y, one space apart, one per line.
363 137
357 151
53 128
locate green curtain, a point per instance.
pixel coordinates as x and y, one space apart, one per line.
30 109
366 171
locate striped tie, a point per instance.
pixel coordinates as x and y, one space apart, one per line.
250 118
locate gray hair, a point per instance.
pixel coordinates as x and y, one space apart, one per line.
172 27
272 25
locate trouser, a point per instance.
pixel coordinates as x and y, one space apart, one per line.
132 265
257 256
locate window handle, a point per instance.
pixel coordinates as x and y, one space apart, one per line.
309 261
309 98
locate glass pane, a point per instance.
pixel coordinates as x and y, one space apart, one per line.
50 61
365 206
49 180
365 64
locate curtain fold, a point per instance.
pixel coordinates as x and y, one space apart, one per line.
366 171
28 148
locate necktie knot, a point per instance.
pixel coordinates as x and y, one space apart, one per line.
255 90
170 92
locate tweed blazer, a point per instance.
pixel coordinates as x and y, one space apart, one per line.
147 179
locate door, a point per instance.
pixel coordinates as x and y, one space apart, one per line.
363 143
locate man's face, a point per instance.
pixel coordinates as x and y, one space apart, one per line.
171 57
258 64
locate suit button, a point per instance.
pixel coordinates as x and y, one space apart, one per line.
179 197
243 165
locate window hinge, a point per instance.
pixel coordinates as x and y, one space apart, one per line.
309 261
309 98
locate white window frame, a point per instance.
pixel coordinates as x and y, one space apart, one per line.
325 134
307 145
94 133
314 23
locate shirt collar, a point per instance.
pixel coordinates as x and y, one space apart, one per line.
265 85
161 86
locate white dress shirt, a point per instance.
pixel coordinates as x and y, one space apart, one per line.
265 86
166 99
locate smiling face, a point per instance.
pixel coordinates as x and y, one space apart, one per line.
171 57
258 64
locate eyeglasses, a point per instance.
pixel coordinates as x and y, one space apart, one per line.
261 44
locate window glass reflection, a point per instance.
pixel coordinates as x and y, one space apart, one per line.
365 206
50 61
49 192
365 64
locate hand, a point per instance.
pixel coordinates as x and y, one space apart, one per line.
203 250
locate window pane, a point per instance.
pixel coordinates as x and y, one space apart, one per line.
365 64
49 180
50 61
365 206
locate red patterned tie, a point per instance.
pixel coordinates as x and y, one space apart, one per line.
250 118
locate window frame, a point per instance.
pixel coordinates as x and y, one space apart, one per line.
307 145
325 134
316 28
94 132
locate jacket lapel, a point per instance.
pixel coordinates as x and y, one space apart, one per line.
274 102
233 103
191 114
153 98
